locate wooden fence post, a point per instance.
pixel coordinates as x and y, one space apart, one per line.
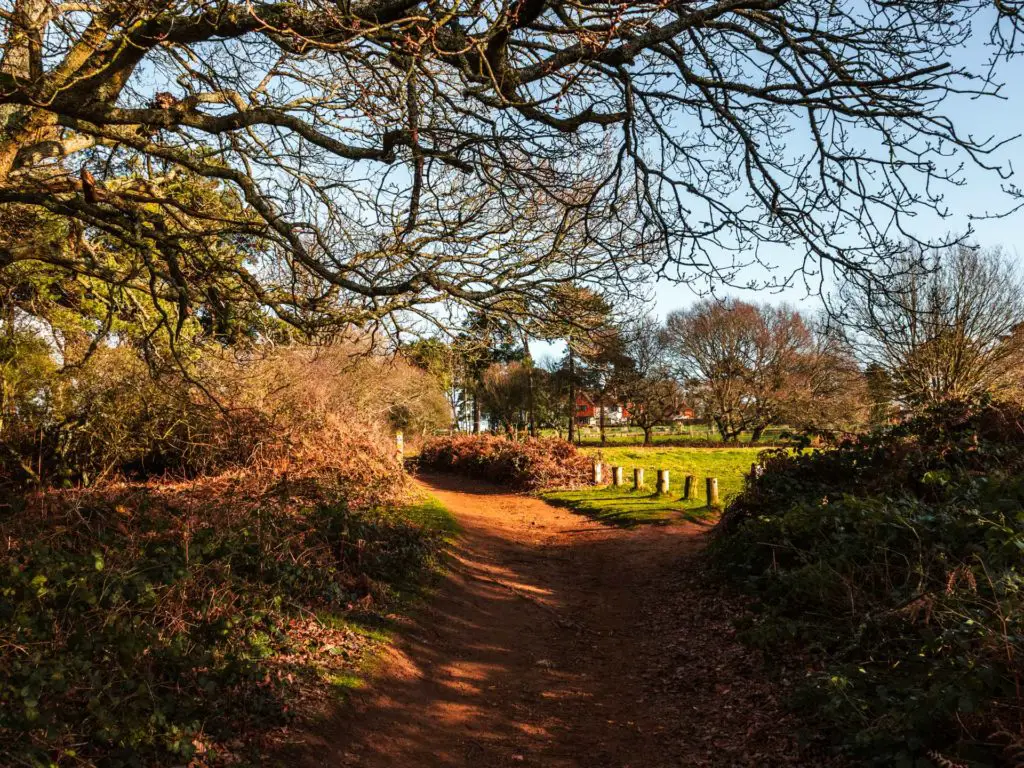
712 484
598 473
616 476
663 484
399 446
688 487
638 479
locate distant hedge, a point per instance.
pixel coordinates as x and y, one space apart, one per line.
522 464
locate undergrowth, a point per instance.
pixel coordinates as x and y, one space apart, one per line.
174 624
523 464
890 568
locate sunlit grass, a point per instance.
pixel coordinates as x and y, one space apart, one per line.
626 507
430 513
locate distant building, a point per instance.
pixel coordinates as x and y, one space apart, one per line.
616 414
588 413
685 413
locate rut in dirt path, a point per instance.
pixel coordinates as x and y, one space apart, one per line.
555 641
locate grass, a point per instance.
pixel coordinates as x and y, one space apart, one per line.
625 507
432 515
377 629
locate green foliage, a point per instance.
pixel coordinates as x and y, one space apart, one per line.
895 561
149 626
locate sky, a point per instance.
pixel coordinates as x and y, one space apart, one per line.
982 194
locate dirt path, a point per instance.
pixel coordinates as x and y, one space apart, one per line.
559 642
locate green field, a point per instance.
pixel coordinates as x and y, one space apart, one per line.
626 507
591 436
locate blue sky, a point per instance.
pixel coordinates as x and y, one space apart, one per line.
982 195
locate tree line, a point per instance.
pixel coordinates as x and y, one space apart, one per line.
953 328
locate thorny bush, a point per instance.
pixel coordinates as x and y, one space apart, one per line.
894 562
524 464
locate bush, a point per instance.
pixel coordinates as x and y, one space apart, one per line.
113 415
523 464
157 622
894 560
154 624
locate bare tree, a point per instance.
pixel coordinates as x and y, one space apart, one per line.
951 324
745 358
653 395
334 163
824 388
603 365
505 395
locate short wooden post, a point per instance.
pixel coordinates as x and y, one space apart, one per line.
663 484
598 473
399 446
689 487
616 476
712 487
638 479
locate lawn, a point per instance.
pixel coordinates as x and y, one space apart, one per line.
626 507
591 436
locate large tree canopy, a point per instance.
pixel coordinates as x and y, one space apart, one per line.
344 162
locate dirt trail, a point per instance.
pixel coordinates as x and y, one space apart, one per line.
555 641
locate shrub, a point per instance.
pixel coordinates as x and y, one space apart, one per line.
161 622
113 415
523 464
894 560
154 624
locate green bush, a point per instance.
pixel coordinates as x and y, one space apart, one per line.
894 562
150 625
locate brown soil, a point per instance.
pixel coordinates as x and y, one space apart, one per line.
556 641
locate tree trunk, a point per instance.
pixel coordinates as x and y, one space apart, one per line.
603 437
22 54
531 402
572 395
476 414
723 430
755 435
647 435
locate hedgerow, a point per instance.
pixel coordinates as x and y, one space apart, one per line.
160 624
523 464
891 566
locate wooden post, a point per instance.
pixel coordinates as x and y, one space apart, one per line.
638 479
616 476
663 484
598 474
399 446
689 487
712 487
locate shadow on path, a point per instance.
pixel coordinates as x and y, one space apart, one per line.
556 641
